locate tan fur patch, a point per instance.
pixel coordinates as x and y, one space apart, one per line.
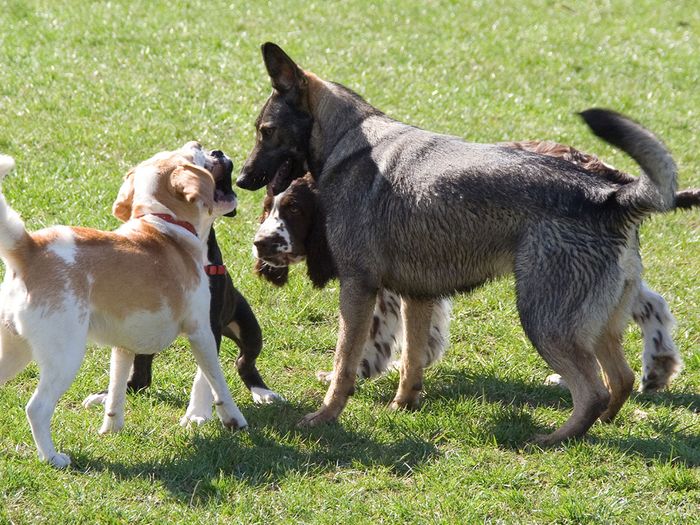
115 273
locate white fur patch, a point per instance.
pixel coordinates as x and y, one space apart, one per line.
64 244
136 330
274 226
263 396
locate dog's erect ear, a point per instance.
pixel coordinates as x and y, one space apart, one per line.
285 75
192 184
124 202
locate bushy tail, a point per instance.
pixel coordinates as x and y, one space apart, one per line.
12 230
687 199
655 189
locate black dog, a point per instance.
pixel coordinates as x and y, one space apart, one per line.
230 315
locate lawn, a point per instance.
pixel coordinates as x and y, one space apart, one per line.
90 88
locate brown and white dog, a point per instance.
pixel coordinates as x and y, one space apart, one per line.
136 289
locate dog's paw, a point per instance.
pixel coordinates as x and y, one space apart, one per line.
556 380
324 377
405 404
263 396
95 399
192 418
231 418
112 424
59 460
317 418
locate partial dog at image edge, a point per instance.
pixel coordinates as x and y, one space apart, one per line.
469 213
135 289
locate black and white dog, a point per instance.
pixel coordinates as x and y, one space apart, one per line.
428 215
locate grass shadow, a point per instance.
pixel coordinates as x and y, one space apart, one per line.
267 453
513 425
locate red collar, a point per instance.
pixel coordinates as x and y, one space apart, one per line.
215 269
172 220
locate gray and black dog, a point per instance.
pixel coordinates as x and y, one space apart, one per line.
429 215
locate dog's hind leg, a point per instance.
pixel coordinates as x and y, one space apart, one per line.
58 362
579 368
661 361
566 292
15 354
417 317
120 364
618 376
356 302
244 330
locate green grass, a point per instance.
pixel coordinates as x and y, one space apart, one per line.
90 88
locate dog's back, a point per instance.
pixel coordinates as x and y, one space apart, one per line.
422 199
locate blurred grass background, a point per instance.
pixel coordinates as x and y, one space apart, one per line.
88 89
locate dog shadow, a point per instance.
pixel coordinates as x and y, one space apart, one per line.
192 474
287 450
513 425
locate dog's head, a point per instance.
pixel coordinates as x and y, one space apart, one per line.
283 128
286 222
292 229
188 183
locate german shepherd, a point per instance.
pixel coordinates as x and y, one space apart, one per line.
430 215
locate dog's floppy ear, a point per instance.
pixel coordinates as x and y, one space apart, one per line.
193 183
121 208
320 266
285 75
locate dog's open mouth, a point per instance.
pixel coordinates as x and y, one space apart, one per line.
221 169
284 176
282 260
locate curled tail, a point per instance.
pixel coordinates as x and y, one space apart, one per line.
655 189
12 230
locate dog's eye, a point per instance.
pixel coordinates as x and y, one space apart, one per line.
267 131
294 210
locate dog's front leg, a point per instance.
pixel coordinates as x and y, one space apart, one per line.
356 303
417 316
119 367
204 350
201 400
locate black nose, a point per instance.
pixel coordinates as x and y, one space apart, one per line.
217 153
265 246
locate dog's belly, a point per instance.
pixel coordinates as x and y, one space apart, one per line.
443 276
143 332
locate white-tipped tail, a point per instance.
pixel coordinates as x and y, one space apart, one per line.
7 164
12 230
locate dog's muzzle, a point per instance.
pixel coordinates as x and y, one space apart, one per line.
222 169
